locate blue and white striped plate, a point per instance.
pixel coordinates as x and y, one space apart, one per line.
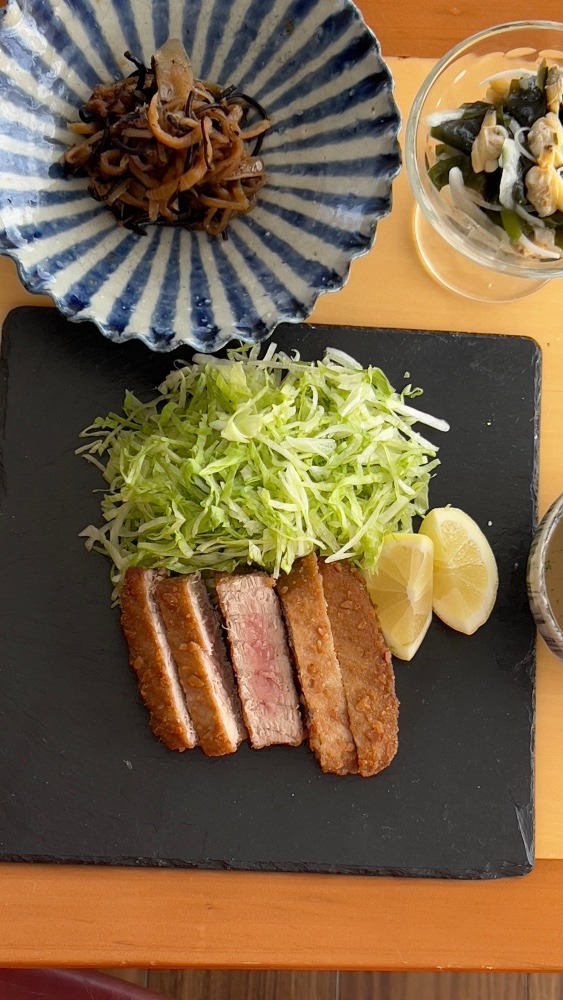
330 158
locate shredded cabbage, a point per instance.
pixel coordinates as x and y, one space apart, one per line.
247 460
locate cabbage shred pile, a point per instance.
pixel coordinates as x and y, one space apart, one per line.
259 461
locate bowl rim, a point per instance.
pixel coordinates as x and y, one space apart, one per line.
540 604
437 220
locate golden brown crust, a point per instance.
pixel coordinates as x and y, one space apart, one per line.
365 662
148 659
305 611
189 646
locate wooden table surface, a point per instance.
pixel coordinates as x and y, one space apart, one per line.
82 916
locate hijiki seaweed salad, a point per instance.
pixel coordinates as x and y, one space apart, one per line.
164 148
501 160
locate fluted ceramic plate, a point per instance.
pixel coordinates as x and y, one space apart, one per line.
330 157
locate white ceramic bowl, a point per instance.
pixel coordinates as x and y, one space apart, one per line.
545 577
330 157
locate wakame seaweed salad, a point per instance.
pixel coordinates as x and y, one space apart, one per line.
501 159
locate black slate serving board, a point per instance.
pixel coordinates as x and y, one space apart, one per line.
81 777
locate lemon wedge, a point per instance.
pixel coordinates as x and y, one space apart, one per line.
401 589
465 570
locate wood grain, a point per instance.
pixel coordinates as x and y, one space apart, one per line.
77 916
262 985
545 987
412 28
274 985
432 986
137 976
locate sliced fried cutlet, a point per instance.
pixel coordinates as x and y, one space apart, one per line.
194 633
365 663
261 658
304 607
151 659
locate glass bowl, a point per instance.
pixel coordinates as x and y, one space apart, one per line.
483 267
